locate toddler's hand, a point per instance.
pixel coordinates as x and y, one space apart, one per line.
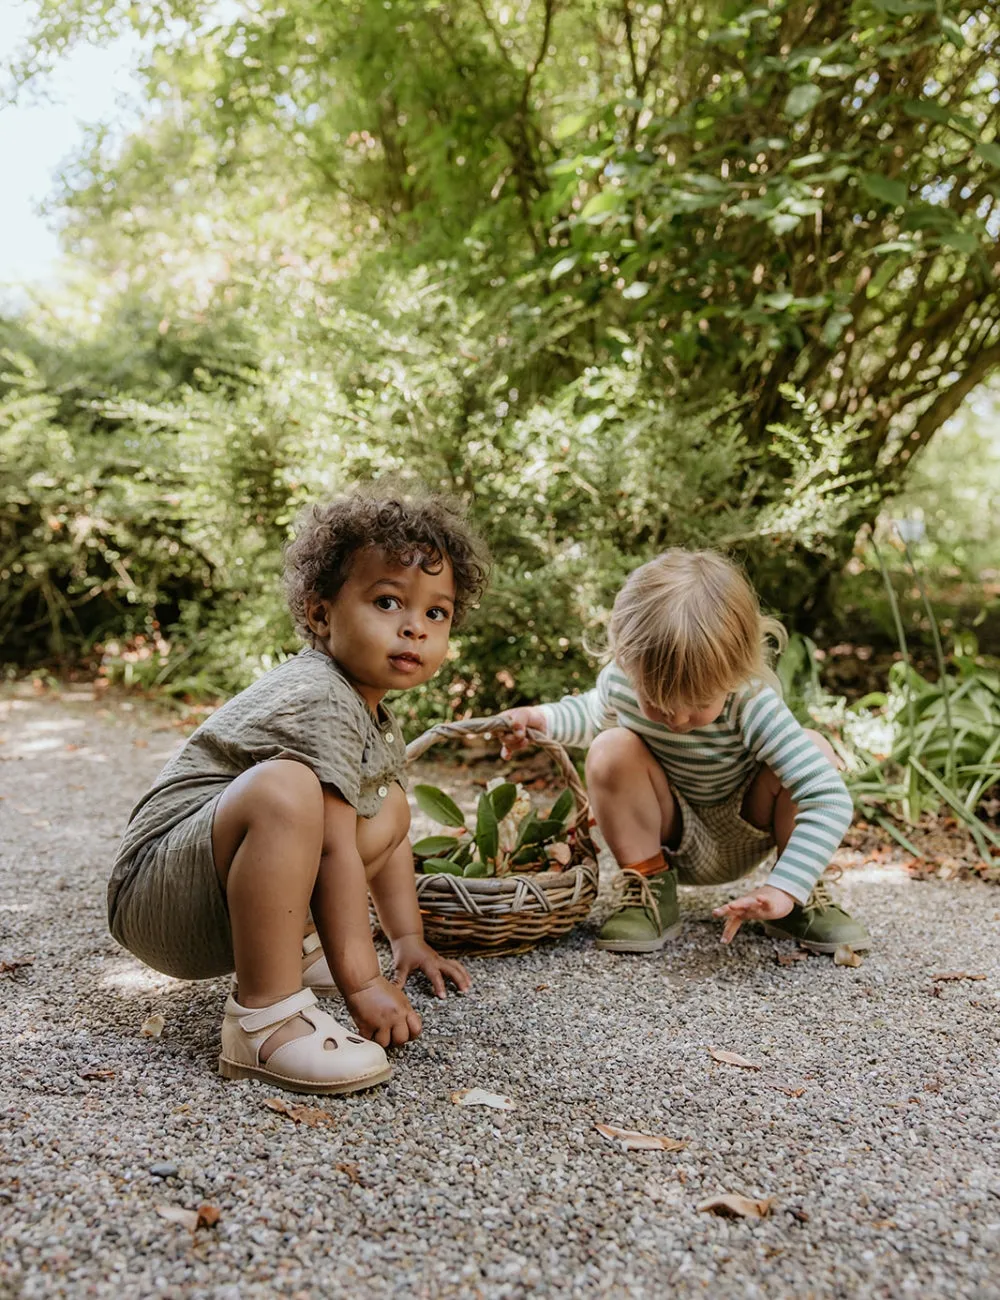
767 904
383 1012
410 954
519 720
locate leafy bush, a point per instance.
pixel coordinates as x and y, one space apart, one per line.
917 747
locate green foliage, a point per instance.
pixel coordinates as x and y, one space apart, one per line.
619 275
919 747
434 803
508 833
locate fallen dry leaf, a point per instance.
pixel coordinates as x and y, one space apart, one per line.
479 1097
311 1116
9 967
732 1058
846 956
785 1088
629 1140
790 958
205 1216
733 1206
560 853
97 1074
352 1171
153 1026
177 1214
956 975
540 988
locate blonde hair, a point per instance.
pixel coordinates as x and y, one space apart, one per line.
687 627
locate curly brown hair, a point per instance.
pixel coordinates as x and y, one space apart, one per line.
429 529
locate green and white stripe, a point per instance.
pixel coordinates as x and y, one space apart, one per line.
710 764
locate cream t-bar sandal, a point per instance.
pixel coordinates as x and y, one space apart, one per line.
315 970
331 1059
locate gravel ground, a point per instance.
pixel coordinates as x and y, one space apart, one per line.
884 1170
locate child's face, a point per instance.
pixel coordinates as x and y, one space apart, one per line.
685 717
388 626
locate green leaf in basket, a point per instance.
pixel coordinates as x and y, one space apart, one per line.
441 866
487 830
435 846
528 856
534 831
462 855
475 869
503 797
549 830
437 805
526 832
562 807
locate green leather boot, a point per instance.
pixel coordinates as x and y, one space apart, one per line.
648 917
821 925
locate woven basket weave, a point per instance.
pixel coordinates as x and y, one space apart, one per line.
507 914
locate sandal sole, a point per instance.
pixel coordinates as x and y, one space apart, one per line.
810 945
233 1070
640 945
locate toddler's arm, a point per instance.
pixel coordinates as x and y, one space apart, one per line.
774 736
573 720
394 893
340 910
519 720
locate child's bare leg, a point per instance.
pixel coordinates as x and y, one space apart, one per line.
274 838
631 798
346 932
768 805
379 838
267 837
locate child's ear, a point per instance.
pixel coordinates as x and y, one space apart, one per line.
318 615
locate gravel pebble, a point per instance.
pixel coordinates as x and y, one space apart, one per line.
884 1171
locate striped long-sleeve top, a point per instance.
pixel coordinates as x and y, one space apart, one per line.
710 764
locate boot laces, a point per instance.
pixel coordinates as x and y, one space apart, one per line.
635 892
820 899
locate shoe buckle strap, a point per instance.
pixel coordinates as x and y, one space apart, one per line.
310 943
273 1016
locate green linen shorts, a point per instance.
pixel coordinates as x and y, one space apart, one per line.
717 843
171 912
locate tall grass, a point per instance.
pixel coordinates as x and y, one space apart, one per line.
920 746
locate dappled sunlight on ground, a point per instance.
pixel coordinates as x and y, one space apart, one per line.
132 978
869 873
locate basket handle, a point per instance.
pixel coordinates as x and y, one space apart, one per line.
489 726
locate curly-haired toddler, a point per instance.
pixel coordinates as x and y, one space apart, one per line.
288 803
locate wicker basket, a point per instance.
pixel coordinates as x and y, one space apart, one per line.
496 916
